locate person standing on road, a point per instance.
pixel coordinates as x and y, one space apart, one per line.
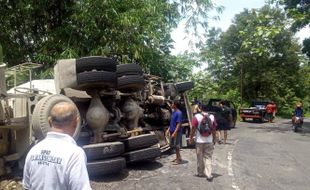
57 162
224 122
175 130
270 111
205 140
274 110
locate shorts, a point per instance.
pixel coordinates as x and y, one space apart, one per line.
269 116
176 142
223 125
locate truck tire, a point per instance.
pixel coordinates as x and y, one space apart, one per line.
97 78
142 154
170 90
128 69
103 150
107 166
184 86
130 83
95 63
141 141
41 113
38 131
84 139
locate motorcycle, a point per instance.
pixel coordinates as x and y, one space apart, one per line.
297 124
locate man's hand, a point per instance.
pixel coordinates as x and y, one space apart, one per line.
174 135
191 140
167 133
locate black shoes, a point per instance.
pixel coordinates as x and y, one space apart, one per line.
199 175
210 179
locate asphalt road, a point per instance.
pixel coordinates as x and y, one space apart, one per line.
257 156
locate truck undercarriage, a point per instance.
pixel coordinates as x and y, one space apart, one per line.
123 112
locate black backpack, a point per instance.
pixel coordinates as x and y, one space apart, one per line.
205 126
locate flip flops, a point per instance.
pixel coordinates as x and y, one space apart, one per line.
176 162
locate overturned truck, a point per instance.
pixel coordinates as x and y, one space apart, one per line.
123 112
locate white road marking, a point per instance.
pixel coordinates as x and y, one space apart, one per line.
230 169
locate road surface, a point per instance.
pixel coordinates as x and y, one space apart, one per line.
257 156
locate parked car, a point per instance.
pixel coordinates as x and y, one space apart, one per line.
256 112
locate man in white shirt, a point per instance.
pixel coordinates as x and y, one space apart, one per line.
56 162
205 141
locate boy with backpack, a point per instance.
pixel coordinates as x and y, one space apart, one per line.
204 127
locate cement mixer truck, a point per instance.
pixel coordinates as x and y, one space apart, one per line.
123 112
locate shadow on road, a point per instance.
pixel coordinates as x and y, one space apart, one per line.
142 166
215 175
305 131
254 121
283 127
145 165
111 177
228 143
271 128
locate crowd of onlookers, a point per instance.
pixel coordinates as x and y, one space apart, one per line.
207 130
58 163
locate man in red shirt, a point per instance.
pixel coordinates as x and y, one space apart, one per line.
270 108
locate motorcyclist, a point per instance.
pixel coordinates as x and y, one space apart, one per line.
298 113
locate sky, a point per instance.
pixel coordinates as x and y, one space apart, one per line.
231 8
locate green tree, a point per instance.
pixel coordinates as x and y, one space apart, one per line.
299 12
258 54
130 30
